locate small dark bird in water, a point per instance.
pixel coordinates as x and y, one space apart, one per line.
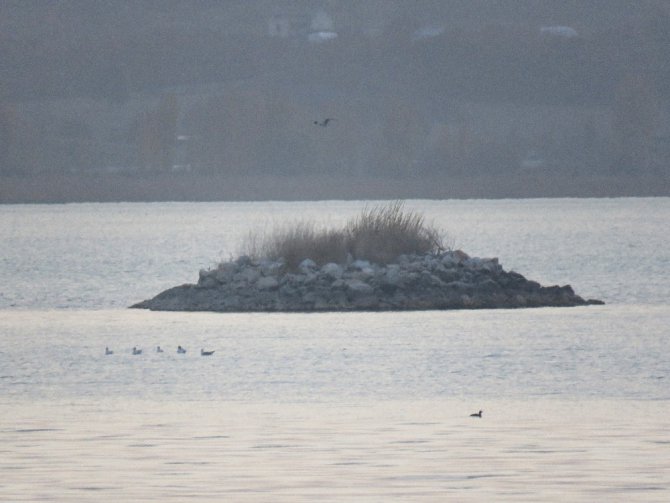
108 351
324 123
137 351
206 353
477 414
180 350
159 349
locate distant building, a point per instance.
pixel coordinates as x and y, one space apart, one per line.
322 28
559 31
428 32
321 21
182 154
296 23
532 161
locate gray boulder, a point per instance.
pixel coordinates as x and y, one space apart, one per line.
358 287
332 270
267 283
306 266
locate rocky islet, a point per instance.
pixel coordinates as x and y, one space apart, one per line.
448 280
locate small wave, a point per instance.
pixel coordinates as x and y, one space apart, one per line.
36 430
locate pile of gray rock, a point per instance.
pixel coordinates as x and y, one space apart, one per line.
450 280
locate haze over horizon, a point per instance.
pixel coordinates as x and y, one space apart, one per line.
208 100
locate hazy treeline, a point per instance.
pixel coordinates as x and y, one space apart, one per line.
438 87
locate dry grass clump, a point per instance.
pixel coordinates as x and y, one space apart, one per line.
295 243
382 233
379 234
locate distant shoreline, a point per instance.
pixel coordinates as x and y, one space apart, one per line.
196 188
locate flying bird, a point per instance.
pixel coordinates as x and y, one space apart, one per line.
324 123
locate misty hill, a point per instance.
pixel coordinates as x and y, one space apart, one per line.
95 48
439 87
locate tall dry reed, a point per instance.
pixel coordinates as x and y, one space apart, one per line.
379 234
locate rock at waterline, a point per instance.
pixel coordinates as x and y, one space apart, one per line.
451 280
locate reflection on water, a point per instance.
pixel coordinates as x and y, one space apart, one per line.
535 450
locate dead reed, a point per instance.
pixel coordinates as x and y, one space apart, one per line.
379 234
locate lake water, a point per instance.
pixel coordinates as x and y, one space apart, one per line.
334 406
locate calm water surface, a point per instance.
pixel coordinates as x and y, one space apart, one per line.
339 407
